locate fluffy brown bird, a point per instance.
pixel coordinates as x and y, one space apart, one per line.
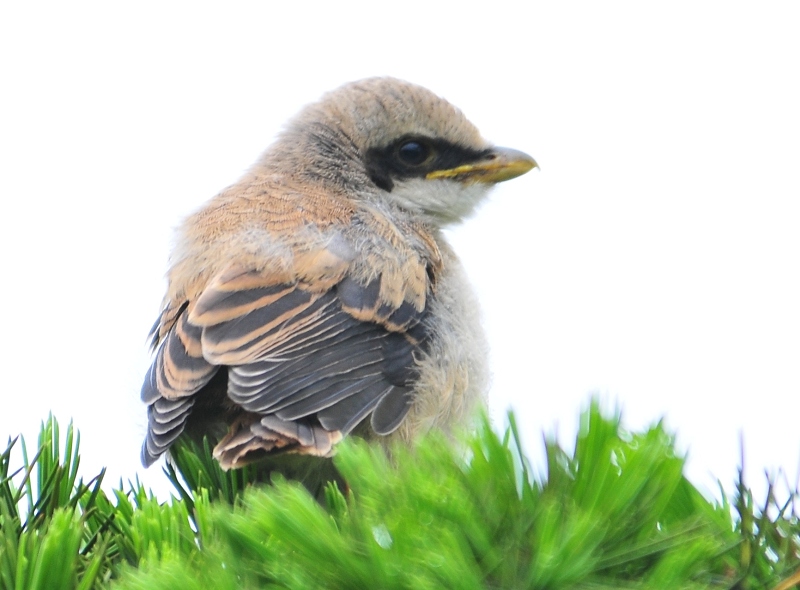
318 295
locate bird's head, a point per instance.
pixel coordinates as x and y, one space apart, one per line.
388 140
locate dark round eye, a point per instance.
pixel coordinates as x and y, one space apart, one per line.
413 153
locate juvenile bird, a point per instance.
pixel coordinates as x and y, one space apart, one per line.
317 296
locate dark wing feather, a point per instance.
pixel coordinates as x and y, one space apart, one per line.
391 410
178 372
166 420
305 366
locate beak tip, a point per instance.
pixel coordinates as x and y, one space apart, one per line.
513 163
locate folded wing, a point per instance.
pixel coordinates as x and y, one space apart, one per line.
306 361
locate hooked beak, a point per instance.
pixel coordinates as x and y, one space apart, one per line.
499 165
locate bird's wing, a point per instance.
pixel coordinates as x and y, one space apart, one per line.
309 355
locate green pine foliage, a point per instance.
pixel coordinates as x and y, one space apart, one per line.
614 512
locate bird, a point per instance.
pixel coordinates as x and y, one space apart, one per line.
318 297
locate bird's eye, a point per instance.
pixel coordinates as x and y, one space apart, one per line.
413 153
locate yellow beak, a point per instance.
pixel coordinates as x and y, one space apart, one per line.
501 164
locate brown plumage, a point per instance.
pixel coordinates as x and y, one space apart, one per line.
317 295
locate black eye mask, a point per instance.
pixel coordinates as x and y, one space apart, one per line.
415 157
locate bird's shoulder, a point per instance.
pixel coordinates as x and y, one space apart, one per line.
284 233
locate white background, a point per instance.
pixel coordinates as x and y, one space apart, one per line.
652 260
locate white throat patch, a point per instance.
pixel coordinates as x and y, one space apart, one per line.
442 201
